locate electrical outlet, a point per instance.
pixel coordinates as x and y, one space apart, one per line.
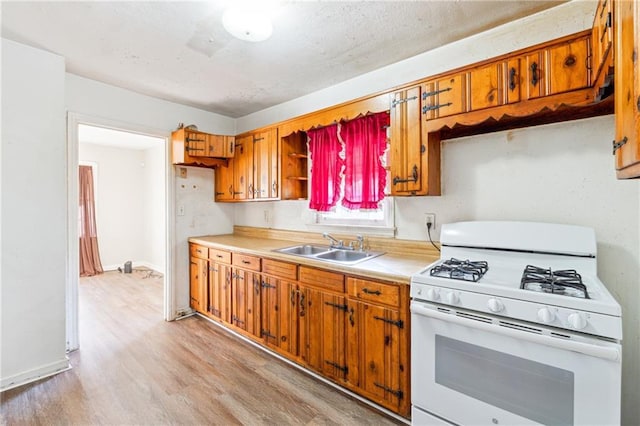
267 217
181 210
183 172
430 218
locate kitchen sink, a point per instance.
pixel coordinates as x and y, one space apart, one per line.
304 250
329 254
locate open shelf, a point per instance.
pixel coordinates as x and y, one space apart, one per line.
294 167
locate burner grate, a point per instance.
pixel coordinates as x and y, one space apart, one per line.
565 282
464 270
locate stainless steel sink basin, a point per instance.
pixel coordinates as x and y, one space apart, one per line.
304 250
346 256
328 254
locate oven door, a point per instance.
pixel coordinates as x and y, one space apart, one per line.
474 369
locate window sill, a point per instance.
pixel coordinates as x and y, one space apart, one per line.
379 231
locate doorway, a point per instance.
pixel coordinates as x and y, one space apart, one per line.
133 181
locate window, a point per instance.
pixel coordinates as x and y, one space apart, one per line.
349 176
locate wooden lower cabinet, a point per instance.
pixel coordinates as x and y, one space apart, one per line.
378 342
245 301
280 314
198 277
351 330
322 332
220 290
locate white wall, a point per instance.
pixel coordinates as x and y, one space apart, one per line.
130 204
92 98
557 173
34 224
155 206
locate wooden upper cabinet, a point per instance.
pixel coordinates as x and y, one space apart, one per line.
243 168
485 86
601 48
513 80
220 146
626 145
569 66
414 158
223 177
253 172
191 147
535 75
265 165
445 96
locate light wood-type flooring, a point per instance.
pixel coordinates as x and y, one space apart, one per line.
135 368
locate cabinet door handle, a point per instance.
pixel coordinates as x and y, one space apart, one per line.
230 189
413 178
534 74
512 79
351 319
302 307
274 188
293 298
618 145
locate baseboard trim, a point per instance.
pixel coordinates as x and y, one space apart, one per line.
309 372
134 264
35 374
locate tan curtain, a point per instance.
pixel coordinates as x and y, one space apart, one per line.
89 255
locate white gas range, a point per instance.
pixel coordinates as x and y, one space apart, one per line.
513 326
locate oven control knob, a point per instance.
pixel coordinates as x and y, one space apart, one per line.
452 298
546 315
432 294
495 305
577 321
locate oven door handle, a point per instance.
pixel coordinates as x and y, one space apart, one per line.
611 354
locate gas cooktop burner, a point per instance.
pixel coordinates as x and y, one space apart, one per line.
464 270
565 282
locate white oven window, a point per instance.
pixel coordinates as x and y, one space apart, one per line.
545 394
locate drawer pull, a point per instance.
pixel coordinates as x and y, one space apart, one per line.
219 256
246 262
374 292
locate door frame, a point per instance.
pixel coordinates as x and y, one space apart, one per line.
73 247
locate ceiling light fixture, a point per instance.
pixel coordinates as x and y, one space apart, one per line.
247 21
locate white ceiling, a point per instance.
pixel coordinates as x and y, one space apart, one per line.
116 138
179 51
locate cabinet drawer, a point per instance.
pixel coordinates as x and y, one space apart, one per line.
220 255
246 262
198 251
285 270
373 291
323 279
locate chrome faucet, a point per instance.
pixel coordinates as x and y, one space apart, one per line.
334 243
